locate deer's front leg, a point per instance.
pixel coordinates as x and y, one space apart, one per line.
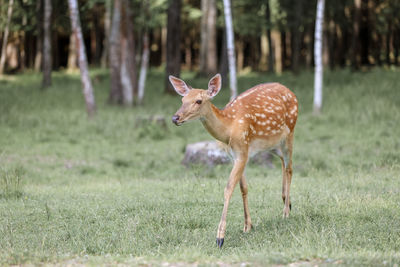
235 176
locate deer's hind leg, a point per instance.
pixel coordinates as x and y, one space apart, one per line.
286 158
247 219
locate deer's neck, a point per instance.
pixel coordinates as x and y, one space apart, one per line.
216 123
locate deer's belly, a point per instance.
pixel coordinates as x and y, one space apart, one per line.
266 143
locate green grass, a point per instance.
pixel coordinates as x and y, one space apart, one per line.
113 190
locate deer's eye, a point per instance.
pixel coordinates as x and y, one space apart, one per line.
198 102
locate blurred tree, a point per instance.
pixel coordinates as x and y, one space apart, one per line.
145 56
128 55
5 36
319 22
208 41
39 36
115 55
47 51
83 65
106 40
230 48
173 43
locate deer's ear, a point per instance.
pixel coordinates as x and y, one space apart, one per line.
180 86
214 85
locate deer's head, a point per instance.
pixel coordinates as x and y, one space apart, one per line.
195 101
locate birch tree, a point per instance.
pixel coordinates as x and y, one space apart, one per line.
230 48
5 36
47 54
83 65
318 57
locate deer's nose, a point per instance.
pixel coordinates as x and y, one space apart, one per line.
175 119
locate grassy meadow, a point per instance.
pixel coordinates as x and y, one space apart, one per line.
112 190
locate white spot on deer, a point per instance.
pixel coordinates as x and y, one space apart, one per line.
273 122
233 110
263 115
260 133
241 121
247 115
284 98
273 132
268 128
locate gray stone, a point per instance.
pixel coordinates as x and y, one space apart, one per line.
213 153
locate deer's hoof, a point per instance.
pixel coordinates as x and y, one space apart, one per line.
290 206
220 242
247 228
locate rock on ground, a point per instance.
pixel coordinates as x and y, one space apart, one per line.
213 153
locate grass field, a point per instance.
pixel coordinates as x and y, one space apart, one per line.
112 191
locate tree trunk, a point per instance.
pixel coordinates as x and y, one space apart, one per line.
240 54
203 37
296 44
72 53
188 52
264 52
47 53
106 41
83 64
173 43
115 55
39 37
271 52
277 48
128 55
163 45
355 47
143 67
223 66
230 48
5 36
318 57
212 38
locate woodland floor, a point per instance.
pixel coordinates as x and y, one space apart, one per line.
110 190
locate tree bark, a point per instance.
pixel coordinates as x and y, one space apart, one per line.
318 57
212 38
128 55
115 55
271 52
203 37
83 64
47 53
296 45
72 53
106 41
223 66
39 37
173 43
143 67
355 47
230 48
277 48
5 36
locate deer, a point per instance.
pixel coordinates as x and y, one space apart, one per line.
261 118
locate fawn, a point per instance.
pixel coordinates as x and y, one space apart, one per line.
261 118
